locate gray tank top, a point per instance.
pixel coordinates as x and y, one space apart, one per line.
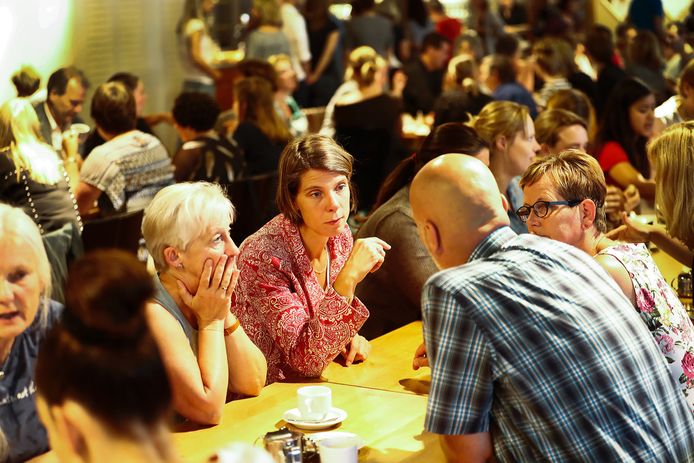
163 298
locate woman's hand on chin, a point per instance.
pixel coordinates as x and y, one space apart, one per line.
212 300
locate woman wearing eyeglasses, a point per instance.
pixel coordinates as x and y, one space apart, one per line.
564 199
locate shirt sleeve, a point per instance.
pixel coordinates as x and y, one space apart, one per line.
611 155
102 173
461 393
308 337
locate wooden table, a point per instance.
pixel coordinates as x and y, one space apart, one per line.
391 423
389 366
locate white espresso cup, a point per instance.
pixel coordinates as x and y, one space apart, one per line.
339 450
314 402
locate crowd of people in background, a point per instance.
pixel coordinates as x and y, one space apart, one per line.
508 229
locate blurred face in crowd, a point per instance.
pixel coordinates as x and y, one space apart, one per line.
562 222
65 107
323 202
140 98
20 287
437 57
286 77
641 116
687 99
523 149
572 136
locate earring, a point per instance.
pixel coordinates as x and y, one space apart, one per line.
179 266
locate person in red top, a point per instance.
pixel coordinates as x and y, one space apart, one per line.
295 294
445 25
626 126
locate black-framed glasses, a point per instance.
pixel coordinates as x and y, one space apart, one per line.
541 208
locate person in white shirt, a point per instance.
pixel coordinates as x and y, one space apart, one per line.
197 49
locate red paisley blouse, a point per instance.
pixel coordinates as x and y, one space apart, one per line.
299 326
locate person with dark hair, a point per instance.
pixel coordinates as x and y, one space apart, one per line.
66 89
368 28
578 103
295 294
144 123
444 24
261 134
483 19
600 51
26 80
393 293
500 78
646 63
425 74
323 39
417 26
625 128
27 313
507 45
131 166
103 336
204 155
647 15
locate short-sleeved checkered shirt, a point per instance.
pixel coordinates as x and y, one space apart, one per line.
534 343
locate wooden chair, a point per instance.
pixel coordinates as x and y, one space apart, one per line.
122 231
254 201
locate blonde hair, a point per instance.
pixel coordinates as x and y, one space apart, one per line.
15 225
19 132
363 64
500 118
672 157
462 73
181 213
268 12
575 175
278 59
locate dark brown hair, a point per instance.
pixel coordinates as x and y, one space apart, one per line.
101 354
300 155
452 137
257 105
113 108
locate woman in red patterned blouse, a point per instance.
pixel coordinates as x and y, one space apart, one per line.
295 294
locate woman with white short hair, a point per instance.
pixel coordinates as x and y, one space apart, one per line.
205 350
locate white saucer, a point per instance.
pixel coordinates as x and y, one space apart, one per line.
335 416
319 436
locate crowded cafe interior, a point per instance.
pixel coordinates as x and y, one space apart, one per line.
341 231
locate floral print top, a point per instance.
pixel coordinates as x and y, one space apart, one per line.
662 312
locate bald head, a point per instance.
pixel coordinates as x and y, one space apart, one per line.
456 203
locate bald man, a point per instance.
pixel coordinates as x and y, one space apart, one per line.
535 353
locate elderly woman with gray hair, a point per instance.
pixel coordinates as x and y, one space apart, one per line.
564 200
204 347
26 313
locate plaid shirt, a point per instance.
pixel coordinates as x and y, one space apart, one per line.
533 342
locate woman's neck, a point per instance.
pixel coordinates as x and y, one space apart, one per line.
169 280
503 178
314 243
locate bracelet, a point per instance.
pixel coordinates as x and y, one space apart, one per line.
232 328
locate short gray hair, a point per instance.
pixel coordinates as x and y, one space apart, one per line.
16 225
181 213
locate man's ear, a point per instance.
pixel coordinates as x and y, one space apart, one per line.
588 212
505 202
432 238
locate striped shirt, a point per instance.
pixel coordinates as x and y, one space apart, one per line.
534 343
130 169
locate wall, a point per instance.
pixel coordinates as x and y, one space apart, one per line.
37 33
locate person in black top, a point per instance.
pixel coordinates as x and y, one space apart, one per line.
600 51
425 74
205 155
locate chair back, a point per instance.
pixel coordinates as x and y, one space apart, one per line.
122 231
254 200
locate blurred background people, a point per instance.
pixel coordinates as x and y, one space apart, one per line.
205 154
462 95
425 74
559 129
287 107
126 171
323 39
32 176
196 47
268 38
27 313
